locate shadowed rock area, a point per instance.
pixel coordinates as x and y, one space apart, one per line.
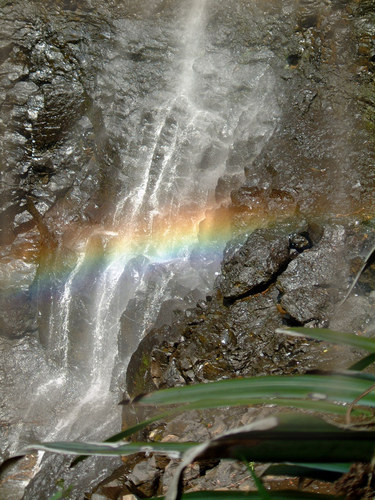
232 333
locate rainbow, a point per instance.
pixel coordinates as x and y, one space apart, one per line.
161 239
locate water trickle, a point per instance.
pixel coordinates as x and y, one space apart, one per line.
59 321
180 136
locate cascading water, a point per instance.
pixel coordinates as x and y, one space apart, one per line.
153 194
176 141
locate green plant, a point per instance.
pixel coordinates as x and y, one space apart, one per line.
303 445
62 491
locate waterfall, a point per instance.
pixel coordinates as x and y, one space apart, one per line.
178 118
154 197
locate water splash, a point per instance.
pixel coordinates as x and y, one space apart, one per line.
179 138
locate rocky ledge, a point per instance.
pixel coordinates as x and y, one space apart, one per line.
291 273
294 273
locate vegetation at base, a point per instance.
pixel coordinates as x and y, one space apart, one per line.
62 492
322 392
300 445
357 341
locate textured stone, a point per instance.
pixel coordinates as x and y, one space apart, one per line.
97 496
65 113
224 338
255 263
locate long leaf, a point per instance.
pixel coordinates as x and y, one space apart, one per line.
286 438
312 438
363 363
264 494
293 438
294 470
359 342
295 391
127 432
306 404
341 468
314 405
174 450
343 388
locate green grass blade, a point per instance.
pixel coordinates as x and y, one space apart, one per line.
57 495
292 438
63 493
306 404
285 438
289 403
296 438
263 493
296 392
363 363
359 342
341 468
126 433
297 470
136 428
342 388
111 449
319 406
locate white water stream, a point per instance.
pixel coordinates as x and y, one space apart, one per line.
158 170
179 137
145 201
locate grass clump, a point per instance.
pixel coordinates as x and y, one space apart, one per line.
299 444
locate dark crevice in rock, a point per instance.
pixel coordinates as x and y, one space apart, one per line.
261 288
370 260
133 490
315 233
298 243
368 264
301 241
293 59
23 78
48 239
288 320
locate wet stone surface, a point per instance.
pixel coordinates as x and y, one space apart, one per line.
308 167
222 339
233 333
65 118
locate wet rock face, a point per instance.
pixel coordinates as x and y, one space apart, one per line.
289 274
58 165
233 333
54 155
253 266
317 152
63 128
48 176
315 163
